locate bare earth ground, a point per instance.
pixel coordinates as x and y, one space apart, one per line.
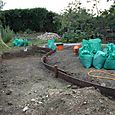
68 61
26 88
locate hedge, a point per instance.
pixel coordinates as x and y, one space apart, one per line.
36 19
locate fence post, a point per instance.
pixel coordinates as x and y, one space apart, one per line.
56 71
44 59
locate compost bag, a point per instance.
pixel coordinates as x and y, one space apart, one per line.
86 58
99 59
51 44
94 45
110 61
84 47
85 42
20 42
109 48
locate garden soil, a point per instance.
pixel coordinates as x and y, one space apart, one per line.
27 88
69 62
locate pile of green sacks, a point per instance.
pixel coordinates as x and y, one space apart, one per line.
20 42
91 54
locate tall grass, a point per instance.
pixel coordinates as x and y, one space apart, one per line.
7 34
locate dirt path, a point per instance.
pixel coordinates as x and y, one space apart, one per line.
27 88
22 80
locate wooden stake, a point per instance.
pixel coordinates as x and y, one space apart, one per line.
56 71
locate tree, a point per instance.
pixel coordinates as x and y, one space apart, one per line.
77 19
109 20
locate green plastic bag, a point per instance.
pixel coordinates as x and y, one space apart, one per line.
15 42
99 59
114 47
20 42
109 48
110 62
51 44
86 58
95 45
85 42
84 47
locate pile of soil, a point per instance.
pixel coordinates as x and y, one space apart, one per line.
69 62
27 88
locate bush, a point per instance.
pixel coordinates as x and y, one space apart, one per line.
28 31
36 19
110 35
7 34
73 36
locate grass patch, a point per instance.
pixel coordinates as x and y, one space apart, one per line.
37 42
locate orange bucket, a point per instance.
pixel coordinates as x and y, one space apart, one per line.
60 47
76 48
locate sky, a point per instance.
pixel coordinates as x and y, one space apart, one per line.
51 5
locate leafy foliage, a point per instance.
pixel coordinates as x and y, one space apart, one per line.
7 34
75 23
2 44
36 19
78 23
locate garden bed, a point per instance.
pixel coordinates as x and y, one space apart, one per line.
69 62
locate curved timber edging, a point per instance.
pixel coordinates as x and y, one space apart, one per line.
63 75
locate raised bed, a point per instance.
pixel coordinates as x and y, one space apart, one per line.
82 83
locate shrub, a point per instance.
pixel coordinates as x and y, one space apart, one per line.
7 34
36 19
73 36
28 31
110 35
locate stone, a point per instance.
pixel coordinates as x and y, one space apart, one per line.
40 102
84 103
8 92
33 100
25 109
10 103
103 84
